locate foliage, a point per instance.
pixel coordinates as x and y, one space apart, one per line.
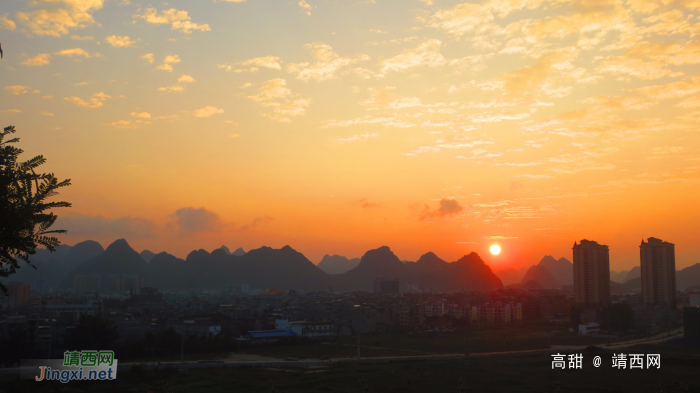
169 341
618 317
92 333
25 217
14 346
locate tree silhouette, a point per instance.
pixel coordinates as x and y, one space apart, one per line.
617 317
92 332
25 220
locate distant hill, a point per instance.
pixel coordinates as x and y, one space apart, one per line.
635 283
380 262
619 277
337 264
549 273
55 266
166 271
44 255
467 273
562 270
266 267
685 278
283 269
118 258
542 276
429 272
635 272
81 252
147 255
618 287
511 276
688 277
225 249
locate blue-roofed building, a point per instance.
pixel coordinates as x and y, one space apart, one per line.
267 336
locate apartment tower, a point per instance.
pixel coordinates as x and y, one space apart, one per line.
591 273
658 263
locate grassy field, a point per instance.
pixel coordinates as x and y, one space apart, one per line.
500 373
477 340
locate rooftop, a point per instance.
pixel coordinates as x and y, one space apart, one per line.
271 333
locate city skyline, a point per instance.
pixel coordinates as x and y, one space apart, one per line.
338 128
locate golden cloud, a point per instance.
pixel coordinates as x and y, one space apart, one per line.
6 23
271 62
66 15
120 41
38 60
306 6
76 52
171 89
689 85
148 57
207 111
124 124
142 115
18 89
327 63
426 54
178 19
275 94
95 101
272 89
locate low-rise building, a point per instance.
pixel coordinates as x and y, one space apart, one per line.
694 299
89 307
312 329
434 309
409 317
589 328
202 330
457 311
499 312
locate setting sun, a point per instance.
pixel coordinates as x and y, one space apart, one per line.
495 249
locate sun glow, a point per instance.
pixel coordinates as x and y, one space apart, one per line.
495 249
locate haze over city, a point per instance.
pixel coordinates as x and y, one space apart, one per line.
337 128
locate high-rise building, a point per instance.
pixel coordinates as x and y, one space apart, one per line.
18 293
86 283
658 263
383 285
41 286
122 283
591 273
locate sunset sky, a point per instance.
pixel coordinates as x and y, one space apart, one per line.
341 126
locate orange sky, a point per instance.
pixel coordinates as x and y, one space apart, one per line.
337 127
